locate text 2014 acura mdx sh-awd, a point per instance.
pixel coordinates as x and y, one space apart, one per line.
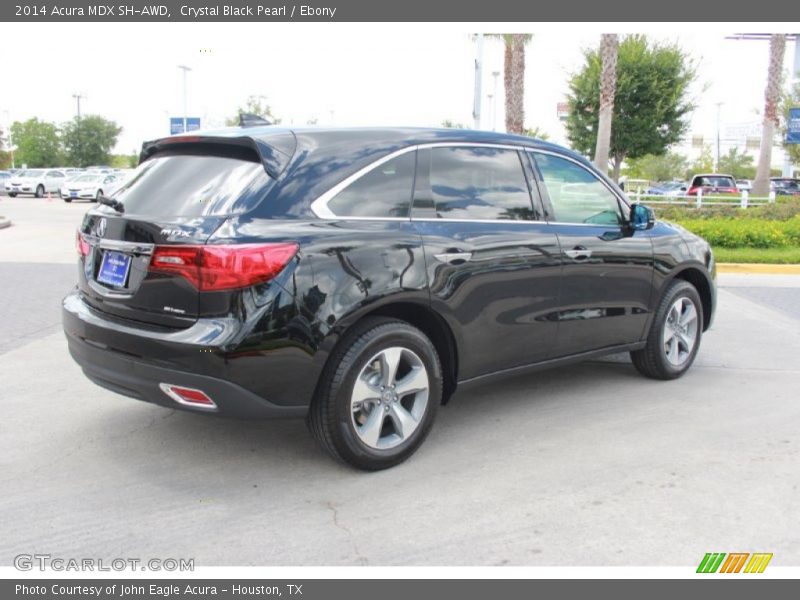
358 277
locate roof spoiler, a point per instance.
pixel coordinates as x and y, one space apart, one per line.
275 151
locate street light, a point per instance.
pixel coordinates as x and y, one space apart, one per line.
185 70
495 74
719 110
79 144
10 141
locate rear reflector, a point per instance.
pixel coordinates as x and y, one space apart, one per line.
188 396
229 267
81 244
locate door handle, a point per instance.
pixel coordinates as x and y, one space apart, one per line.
578 253
453 257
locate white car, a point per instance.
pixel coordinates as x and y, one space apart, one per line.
90 186
37 182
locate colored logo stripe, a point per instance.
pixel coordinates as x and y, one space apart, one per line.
711 562
758 562
734 562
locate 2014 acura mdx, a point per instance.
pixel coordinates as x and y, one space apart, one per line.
358 277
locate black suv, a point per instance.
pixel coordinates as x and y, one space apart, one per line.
358 277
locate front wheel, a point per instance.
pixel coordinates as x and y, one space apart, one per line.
97 196
40 191
12 194
675 334
378 396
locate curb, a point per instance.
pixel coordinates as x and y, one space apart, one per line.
4 223
758 268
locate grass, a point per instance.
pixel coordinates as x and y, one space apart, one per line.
782 256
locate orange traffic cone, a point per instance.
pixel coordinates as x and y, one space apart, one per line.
49 197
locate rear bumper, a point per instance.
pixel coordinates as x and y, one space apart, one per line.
89 341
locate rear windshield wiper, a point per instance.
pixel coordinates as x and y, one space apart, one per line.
115 204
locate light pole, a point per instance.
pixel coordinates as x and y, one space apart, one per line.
476 107
10 141
78 98
719 110
78 144
185 70
490 98
495 75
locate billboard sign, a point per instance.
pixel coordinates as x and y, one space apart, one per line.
793 126
176 124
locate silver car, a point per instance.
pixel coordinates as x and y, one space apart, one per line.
36 182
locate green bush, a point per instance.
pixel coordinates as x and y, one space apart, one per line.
785 208
746 233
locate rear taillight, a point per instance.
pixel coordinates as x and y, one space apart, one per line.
692 191
188 396
216 268
81 245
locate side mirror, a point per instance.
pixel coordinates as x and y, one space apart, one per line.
642 217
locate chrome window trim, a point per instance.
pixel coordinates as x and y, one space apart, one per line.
320 206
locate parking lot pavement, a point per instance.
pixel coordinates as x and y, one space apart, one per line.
584 465
43 229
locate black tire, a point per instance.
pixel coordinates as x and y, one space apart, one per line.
331 416
652 361
97 196
67 200
40 191
12 194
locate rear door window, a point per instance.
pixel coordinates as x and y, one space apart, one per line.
194 185
480 183
383 192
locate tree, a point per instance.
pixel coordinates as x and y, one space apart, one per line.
777 46
514 79
650 105
738 164
536 132
609 44
791 100
703 163
5 155
124 161
654 167
89 140
37 143
255 105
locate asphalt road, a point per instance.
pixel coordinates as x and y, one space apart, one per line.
585 465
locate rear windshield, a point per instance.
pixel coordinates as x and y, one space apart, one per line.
193 185
31 173
714 181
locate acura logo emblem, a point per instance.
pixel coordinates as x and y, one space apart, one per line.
100 227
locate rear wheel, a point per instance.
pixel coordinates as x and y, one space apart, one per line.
378 397
40 191
675 335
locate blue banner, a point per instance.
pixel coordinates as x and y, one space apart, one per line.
793 127
176 124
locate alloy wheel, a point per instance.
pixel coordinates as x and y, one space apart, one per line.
389 398
680 331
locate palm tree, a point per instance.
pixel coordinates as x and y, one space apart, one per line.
514 79
609 43
777 47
